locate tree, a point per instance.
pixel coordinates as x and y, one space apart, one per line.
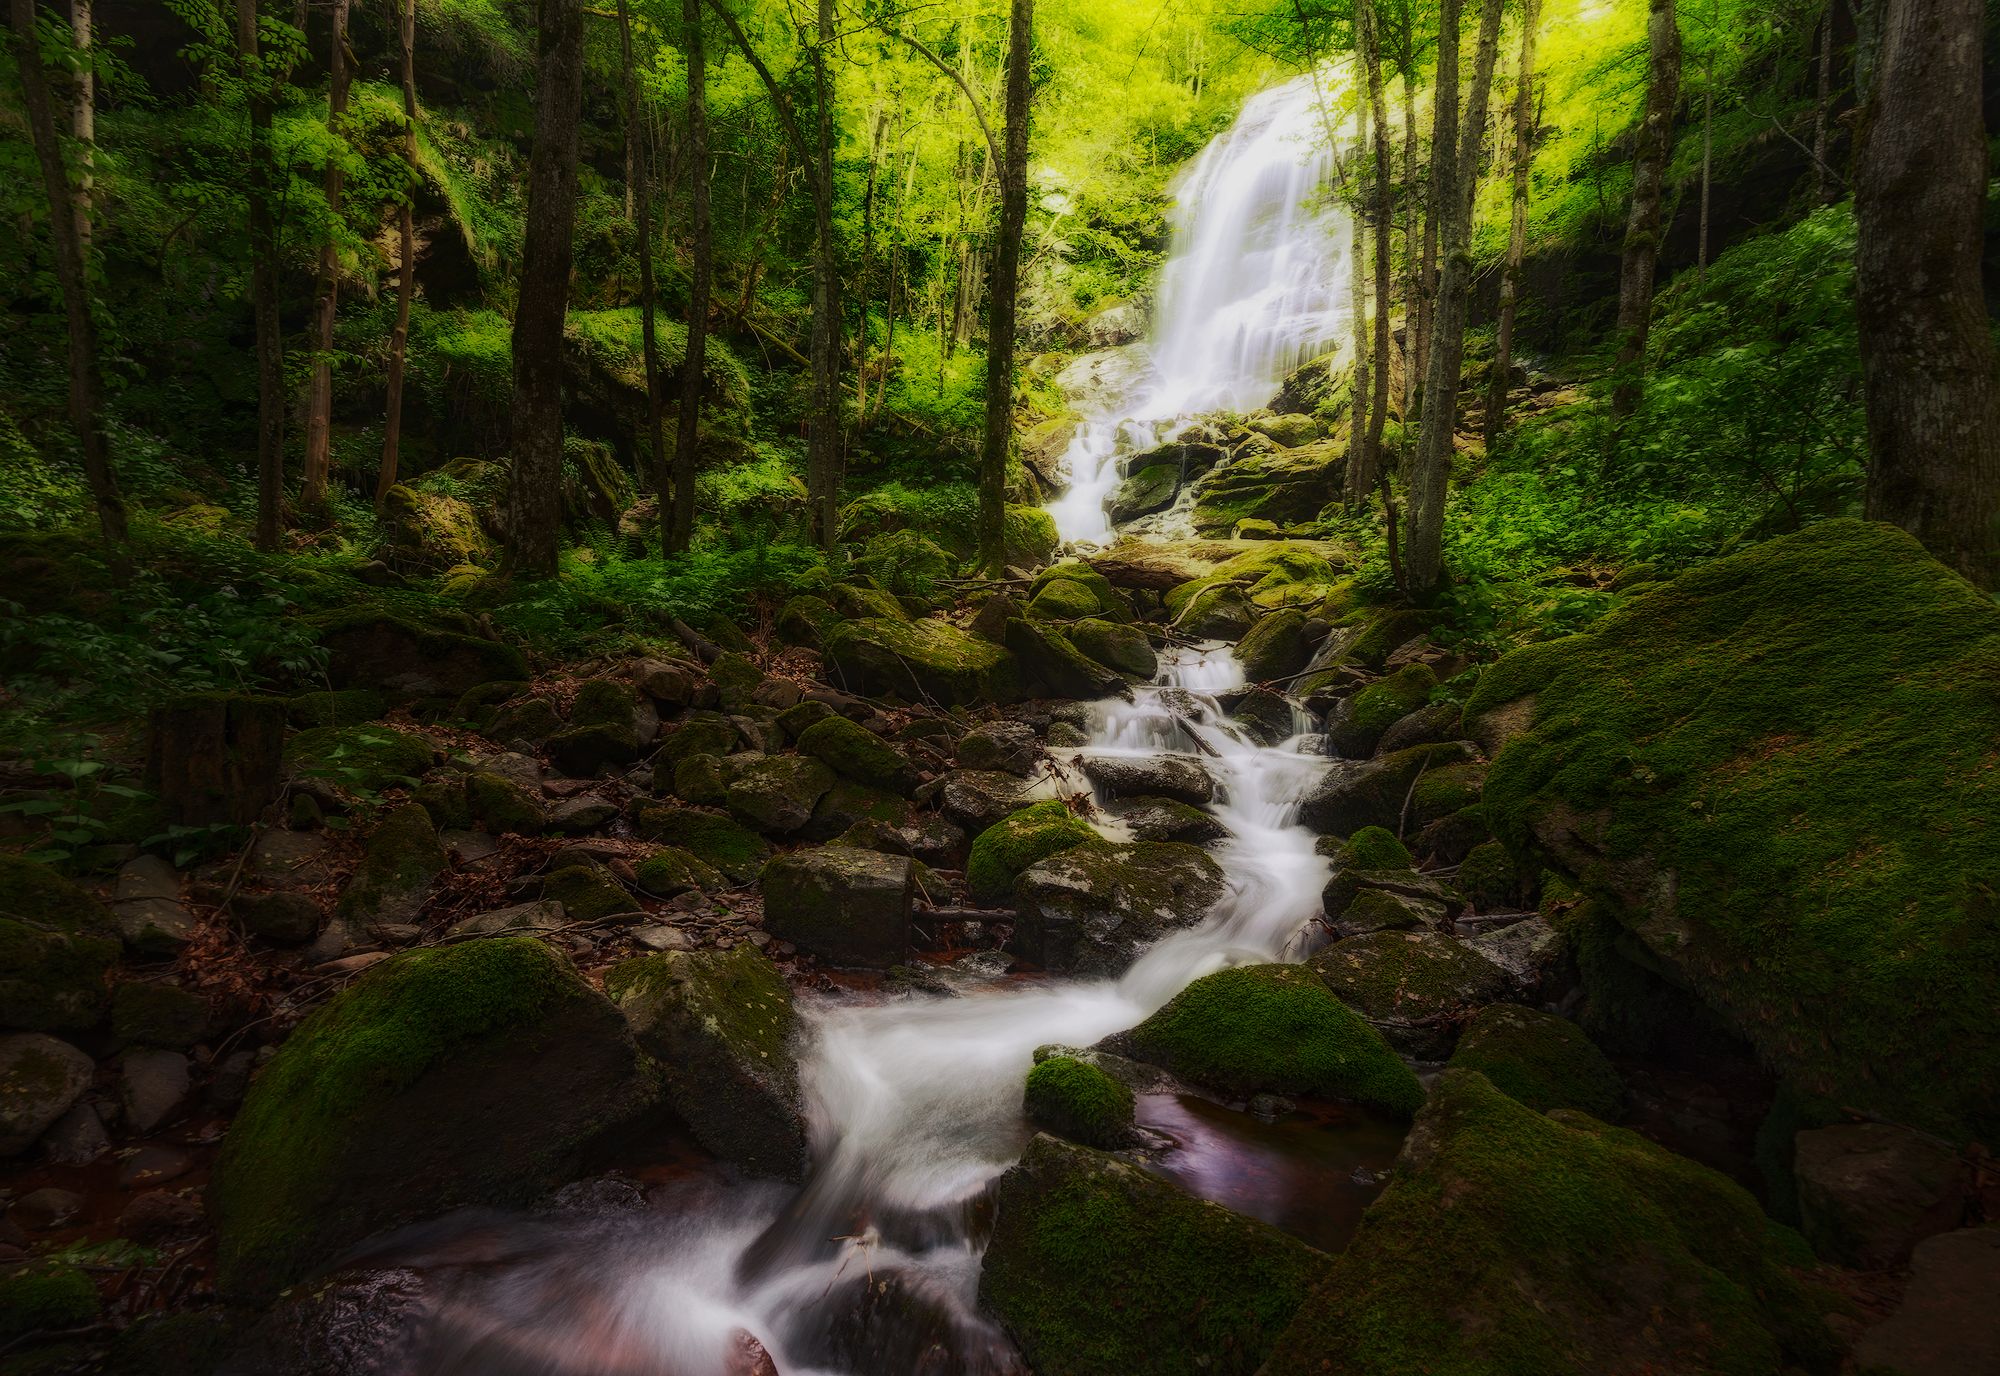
72 277
406 279
999 434
1650 152
1517 231
83 116
319 406
679 529
642 204
270 346
1926 352
534 496
1362 469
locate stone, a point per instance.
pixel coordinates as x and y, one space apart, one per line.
1417 987
146 902
1947 1324
583 813
1541 1060
857 753
152 1014
777 794
41 1078
46 1209
933 840
1163 819
848 804
975 799
152 1086
56 945
1287 430
1022 839
658 936
1357 794
1425 726
846 906
1532 954
699 733
1362 720
543 915
1219 612
583 752
1076 1100
588 892
1266 481
1124 648
666 682
1181 778
921 661
156 1215
670 871
503 806
1007 746
1276 648
531 719
1052 667
715 840
283 919
404 857
736 678
153 1165
1091 909
1149 489
1870 1192
77 1138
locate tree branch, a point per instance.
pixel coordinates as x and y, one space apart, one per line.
778 100
978 110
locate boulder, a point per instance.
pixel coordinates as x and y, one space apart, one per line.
805 620
1374 793
975 798
699 733
1148 489
670 683
844 905
56 945
1870 1192
1094 1267
1542 1060
1121 647
476 1073
855 752
1053 667
1076 1100
1220 611
1533 955
1424 726
721 1026
588 892
1181 778
777 794
1163 819
926 660
1947 1324
713 839
1288 430
146 903
404 856
406 658
582 752
542 915
40 1077
848 804
1358 900
1417 987
1022 839
1360 721
1091 909
1287 486
503 806
1276 647
153 1084
1510 1240
1007 746
671 871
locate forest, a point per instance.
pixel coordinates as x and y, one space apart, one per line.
978 688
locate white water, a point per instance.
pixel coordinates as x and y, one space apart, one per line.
1257 283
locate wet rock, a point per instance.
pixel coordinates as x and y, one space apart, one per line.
1266 481
777 794
1354 795
1076 1100
41 1077
146 901
934 841
1181 778
1124 648
1164 819
356 1322
1277 647
404 857
1007 746
1269 717
153 1165
920 661
77 1138
846 906
668 683
157 1215
1947 1324
976 799
1091 909
1384 909
1531 952
543 915
857 753
1360 722
715 840
1051 666
503 806
46 1209
1870 1192
164 1015
670 871
1542 1060
56 944
1148 489
721 1026
1221 611
1002 851
1424 726
1417 987
152 1086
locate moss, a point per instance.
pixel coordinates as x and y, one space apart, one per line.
601 702
738 994
1124 648
1064 599
336 707
1374 848
796 718
1383 633
158 1015
1409 976
442 795
1540 1059
1276 647
367 647
368 758
1511 1243
186 1344
1028 536
670 871
1488 876
1801 736
1003 850
530 719
404 855
1071 571
1220 611
1075 1099
862 600
1381 705
918 660
503 806
1446 790
56 945
849 802
1277 1029
805 620
588 893
715 840
700 733
1630 1007
478 705
736 678
45 1299
702 780
858 753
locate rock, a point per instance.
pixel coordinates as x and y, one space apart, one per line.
1221 611
713 839
1417 987
1163 819
146 903
588 892
162 1015
45 1297
934 841
1353 795
760 733
230 1079
976 799
1488 876
857 753
530 719
1376 900
1947 1324
474 1073
1092 1263
1052 667
45 1210
1007 746
1180 778
1531 953
1510 1240
721 1026
543 915
736 679
1075 1100
77 1138
156 1215
404 856
153 1084
670 871
503 806
583 813
1091 909
669 683
582 752
1124 648
41 1077
846 906
56 944
1870 1192
1148 489
699 733
1277 484
1361 721
848 804
1541 1060
1424 726
1287 430
777 794
1020 840
1277 647
283 919
918 661
214 758
658 936
410 659
1270 717
1737 766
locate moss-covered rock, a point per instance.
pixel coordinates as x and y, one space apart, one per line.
1375 794
1373 848
407 658
1028 536
777 794
699 733
601 702
56 945
1540 1059
531 719
1417 987
721 1026
1099 1269
1488 876
1064 599
1361 720
404 856
45 1298
429 532
849 803
1220 611
1269 482
846 905
711 838
805 620
1033 834
144 1013
1769 773
1167 819
40 1077
1276 647
363 758
582 752
1274 1029
1519 1244
1053 667
1148 489
588 893
1091 909
855 752
335 707
1121 647
671 871
919 661
702 780
1076 1100
503 806
475 1073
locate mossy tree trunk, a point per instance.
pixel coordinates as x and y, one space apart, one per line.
1362 470
642 210
823 466
1654 146
406 279
1517 231
999 436
677 527
215 757
1926 352
270 346
319 405
83 116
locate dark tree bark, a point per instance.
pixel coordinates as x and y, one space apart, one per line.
1361 472
264 286
1825 184
1642 229
85 385
687 426
319 406
534 497
406 279
1517 232
878 127
1361 376
83 117
998 444
1926 354
823 463
642 208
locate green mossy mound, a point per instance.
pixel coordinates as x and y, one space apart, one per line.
1003 850
56 945
700 733
671 871
404 855
1052 666
1540 1059
1374 848
1099 1269
1274 1029
1772 771
1028 536
925 660
1076 1100
805 620
1516 1244
365 758
1120 647
1416 986
855 752
335 707
601 702
715 840
503 806
588 893
45 1299
381 1108
1064 599
1380 706
1488 876
1276 647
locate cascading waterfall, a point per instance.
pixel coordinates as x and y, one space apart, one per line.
1258 282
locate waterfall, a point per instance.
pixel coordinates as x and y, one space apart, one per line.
1257 282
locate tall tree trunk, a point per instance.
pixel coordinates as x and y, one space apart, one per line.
85 385
406 279
999 435
687 425
264 286
1413 277
823 465
879 126
83 117
534 497
1707 164
1926 352
1517 231
1361 478
1423 559
649 342
1642 229
319 407
1361 375
1824 183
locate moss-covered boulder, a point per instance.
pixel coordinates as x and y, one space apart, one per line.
40 1077
335 707
713 839
56 945
1488 876
1276 647
805 620
1074 1099
1033 834
1028 536
1091 909
1098 1269
1417 987
1051 666
1378 792
1220 611
1270 483
849 803
1273 1029
1116 646
47 1297
1358 724
477 1073
365 759
430 531
1770 773
1510 1241
1542 1060
855 752
777 794
407 658
699 733
846 905
583 752
1167 819
1064 599
403 857
588 892
721 1026
671 871
1148 489
1373 848
503 807
920 661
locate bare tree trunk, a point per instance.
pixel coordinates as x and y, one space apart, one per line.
406 280
1642 230
823 464
534 497
879 125
1823 179
1423 560
85 385
898 287
1517 232
1707 163
83 118
641 196
1361 481
999 437
1926 352
1413 283
319 406
264 287
687 425
1361 376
